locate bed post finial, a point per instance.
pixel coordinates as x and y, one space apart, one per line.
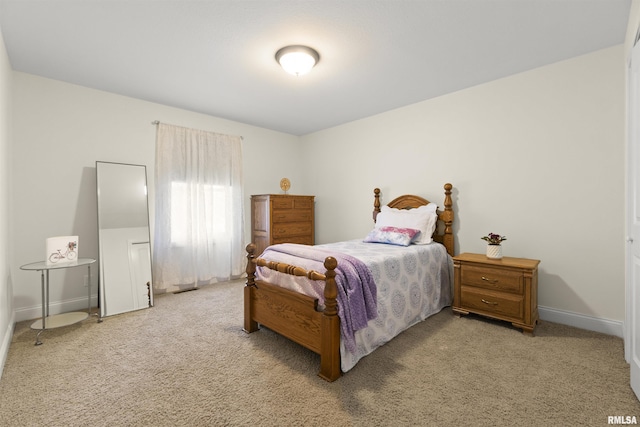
447 217
448 203
331 288
330 340
376 203
250 325
251 266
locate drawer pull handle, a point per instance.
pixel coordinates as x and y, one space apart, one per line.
489 280
488 302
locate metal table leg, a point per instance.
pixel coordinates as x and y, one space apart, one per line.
89 287
45 300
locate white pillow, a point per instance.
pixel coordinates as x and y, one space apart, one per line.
423 218
431 207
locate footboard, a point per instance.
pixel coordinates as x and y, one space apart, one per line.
294 315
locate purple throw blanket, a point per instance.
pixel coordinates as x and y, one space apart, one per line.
356 287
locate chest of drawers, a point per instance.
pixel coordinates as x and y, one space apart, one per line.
504 289
281 218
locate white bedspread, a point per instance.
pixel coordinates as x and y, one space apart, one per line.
412 283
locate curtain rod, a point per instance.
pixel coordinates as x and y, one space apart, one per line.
157 122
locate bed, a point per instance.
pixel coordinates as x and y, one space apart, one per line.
403 284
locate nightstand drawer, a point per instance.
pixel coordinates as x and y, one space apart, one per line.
492 278
503 304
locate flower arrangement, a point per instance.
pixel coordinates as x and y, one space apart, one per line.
494 239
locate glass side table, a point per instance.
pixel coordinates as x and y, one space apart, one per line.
64 319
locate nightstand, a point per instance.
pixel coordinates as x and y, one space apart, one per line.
504 289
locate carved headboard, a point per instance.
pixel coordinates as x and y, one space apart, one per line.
410 201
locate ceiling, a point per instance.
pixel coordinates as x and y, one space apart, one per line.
217 56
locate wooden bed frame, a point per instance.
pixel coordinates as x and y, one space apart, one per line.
297 316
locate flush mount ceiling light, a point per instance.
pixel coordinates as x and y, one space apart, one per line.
297 60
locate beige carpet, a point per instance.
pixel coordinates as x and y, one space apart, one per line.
186 362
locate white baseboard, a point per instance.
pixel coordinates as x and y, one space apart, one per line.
7 337
605 326
55 307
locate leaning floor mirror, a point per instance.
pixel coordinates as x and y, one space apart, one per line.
125 280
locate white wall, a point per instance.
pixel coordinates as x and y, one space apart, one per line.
538 157
60 130
6 259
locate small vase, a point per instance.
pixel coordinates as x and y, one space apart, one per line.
494 251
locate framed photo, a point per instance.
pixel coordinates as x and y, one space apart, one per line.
62 250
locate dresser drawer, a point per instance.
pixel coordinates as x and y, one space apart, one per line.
303 203
292 216
488 302
292 229
492 278
292 203
301 240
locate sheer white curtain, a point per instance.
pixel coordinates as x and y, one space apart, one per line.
198 209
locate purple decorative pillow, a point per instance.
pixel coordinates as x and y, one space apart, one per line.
392 235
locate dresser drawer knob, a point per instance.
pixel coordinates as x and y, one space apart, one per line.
488 302
489 280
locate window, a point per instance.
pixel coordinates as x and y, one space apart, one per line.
198 210
213 213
